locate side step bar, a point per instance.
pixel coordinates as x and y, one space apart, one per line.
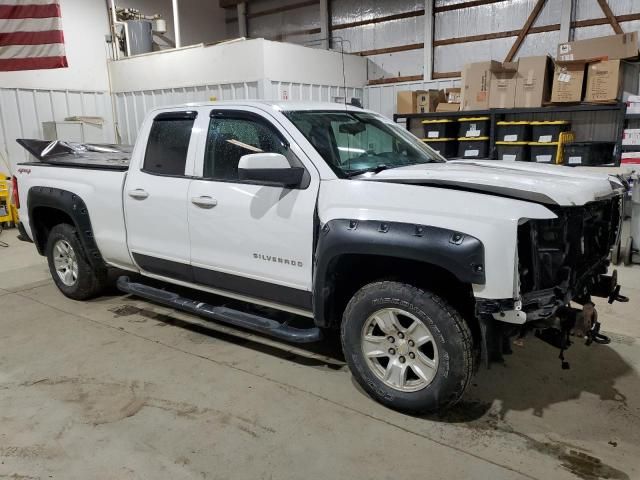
221 314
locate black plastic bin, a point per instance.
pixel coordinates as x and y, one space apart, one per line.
447 147
544 152
473 127
513 151
440 128
513 131
548 131
473 148
588 153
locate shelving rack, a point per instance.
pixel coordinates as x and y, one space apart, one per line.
616 116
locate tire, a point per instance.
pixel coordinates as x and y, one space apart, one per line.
445 361
615 254
628 252
81 281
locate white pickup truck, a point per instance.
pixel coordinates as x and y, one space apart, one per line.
333 213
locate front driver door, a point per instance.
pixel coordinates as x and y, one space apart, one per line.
249 239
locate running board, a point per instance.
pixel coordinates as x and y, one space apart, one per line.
221 314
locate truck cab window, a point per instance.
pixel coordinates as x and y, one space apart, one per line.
168 144
228 139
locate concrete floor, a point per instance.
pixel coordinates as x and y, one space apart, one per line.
119 388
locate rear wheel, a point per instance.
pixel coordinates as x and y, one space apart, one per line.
71 272
407 347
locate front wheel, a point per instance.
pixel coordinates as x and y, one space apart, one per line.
71 272
406 347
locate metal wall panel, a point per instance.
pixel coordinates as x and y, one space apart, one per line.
589 9
273 25
494 17
382 98
347 11
22 112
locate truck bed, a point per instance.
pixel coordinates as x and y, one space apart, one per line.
79 155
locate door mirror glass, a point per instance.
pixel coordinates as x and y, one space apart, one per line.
270 169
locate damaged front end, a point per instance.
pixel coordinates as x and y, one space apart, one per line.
560 260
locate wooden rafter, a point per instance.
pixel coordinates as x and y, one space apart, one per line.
525 30
610 16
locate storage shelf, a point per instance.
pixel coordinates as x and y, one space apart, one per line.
498 114
582 107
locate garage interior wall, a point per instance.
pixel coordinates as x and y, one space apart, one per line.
28 98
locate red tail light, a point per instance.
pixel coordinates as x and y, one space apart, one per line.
15 193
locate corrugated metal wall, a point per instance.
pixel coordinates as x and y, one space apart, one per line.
131 107
22 112
486 19
389 34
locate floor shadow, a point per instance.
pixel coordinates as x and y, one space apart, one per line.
532 379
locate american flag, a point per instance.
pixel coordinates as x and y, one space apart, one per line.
31 35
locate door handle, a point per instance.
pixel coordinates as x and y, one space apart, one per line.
138 194
204 201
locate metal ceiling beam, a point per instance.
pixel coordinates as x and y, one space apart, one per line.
325 21
428 38
523 33
610 16
242 19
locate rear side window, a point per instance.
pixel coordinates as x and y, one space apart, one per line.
168 143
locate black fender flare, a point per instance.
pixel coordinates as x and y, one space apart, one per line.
459 253
72 205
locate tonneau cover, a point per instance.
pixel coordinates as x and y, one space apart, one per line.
80 155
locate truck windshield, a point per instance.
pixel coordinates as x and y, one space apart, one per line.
356 142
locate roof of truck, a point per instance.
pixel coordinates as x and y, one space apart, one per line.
264 104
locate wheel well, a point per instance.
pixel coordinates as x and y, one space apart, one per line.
351 272
43 219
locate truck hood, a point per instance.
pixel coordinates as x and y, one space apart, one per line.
549 184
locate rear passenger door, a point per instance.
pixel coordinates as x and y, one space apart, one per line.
155 195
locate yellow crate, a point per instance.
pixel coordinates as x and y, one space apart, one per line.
6 213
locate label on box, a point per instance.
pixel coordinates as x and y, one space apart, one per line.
545 138
575 160
544 158
565 48
566 58
564 77
435 134
471 153
472 133
511 138
509 157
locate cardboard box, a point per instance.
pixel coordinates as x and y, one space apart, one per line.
502 89
448 107
419 101
406 101
607 79
568 82
533 84
453 95
476 80
612 47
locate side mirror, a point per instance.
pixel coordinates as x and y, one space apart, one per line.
269 168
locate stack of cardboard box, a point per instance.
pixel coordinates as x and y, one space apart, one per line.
599 60
593 70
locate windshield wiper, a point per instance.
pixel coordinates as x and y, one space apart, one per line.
376 169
